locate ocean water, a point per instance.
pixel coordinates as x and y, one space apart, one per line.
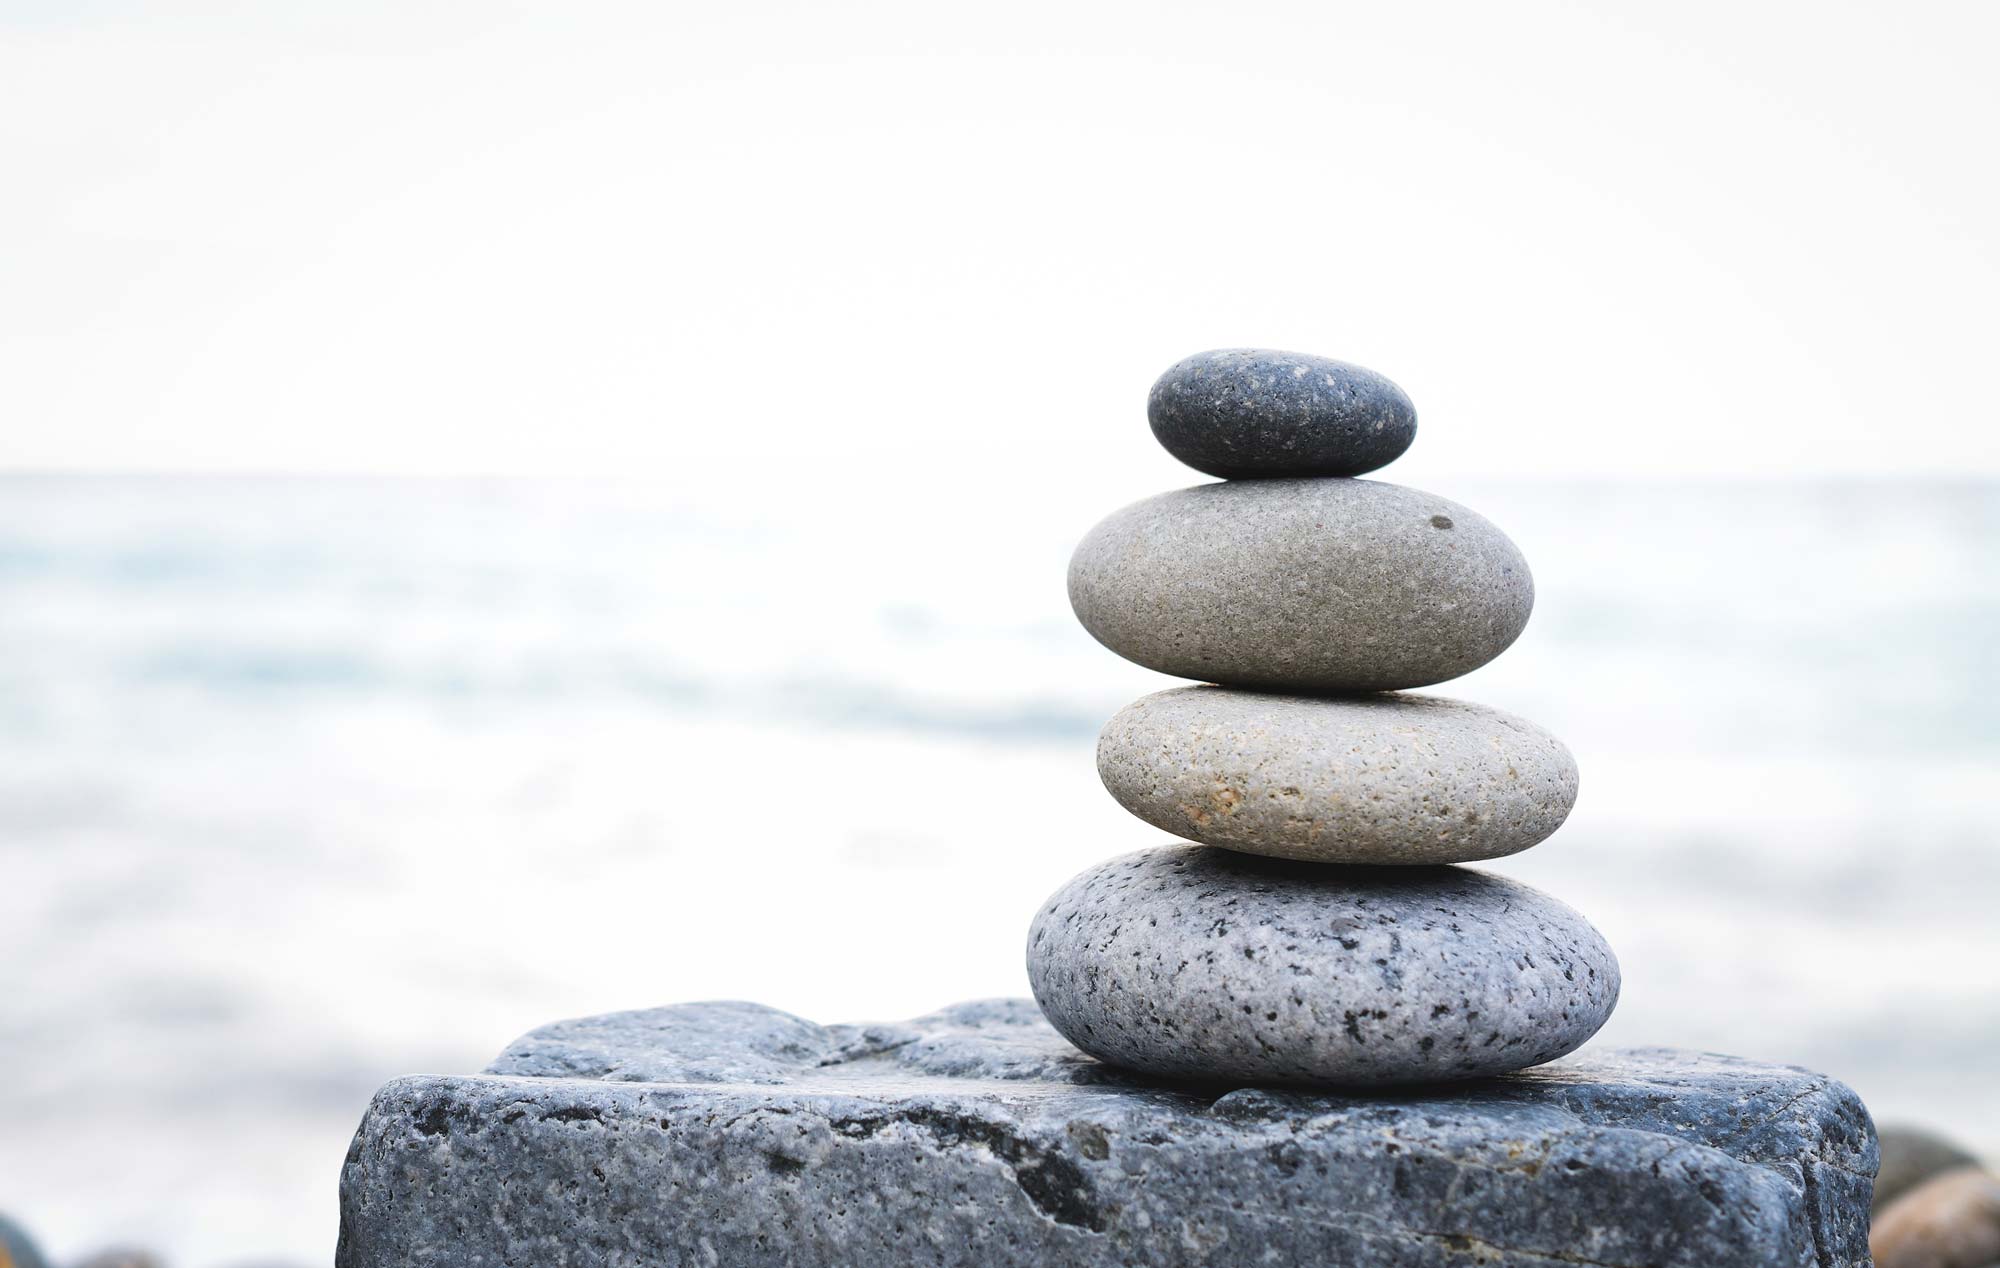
305 784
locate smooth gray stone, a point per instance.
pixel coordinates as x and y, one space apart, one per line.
977 1137
1253 412
1392 779
1302 585
1192 962
1912 1155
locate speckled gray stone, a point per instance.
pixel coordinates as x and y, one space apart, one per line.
1193 962
1392 779
1302 585
977 1137
1253 412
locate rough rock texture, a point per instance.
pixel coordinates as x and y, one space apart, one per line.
1241 412
978 1137
1302 585
1394 779
1911 1155
1951 1220
1191 962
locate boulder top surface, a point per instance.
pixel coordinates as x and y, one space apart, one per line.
978 1136
1754 1110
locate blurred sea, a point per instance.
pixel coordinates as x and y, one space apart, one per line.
308 783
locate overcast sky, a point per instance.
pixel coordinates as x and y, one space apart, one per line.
1607 240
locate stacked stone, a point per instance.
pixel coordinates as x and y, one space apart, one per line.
1318 932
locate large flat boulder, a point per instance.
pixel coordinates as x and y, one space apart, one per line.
731 1134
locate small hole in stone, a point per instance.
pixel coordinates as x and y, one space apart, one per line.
1440 521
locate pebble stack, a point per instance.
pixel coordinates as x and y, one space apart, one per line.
1313 928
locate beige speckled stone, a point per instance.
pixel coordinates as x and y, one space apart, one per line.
1302 585
1951 1220
1391 779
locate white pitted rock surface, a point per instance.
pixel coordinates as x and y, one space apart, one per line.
1199 963
978 1138
1302 585
1392 779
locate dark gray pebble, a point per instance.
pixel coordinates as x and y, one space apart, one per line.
1252 412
